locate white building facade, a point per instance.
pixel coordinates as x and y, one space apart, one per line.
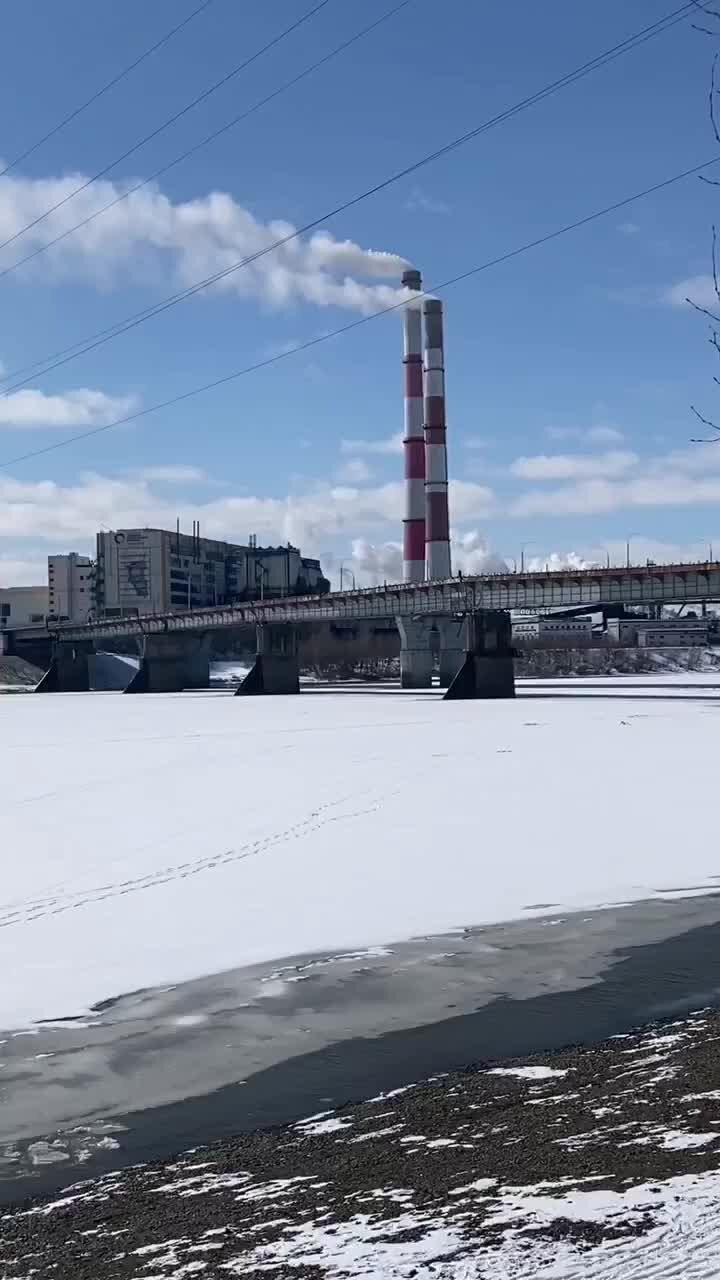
71 587
565 631
23 607
158 571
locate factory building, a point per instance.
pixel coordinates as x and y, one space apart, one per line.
71 587
576 631
660 636
678 633
159 571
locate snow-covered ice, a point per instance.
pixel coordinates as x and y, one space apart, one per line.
154 839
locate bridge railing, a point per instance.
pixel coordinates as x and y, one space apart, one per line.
455 595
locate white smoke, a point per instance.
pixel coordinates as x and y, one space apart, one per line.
147 233
376 563
558 560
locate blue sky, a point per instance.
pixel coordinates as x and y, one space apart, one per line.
570 371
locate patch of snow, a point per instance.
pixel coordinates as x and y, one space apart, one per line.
314 1128
480 1184
528 1073
673 1140
377 1133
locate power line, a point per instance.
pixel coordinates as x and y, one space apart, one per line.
190 106
73 115
537 243
211 137
83 346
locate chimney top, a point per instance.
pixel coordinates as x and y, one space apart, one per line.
412 279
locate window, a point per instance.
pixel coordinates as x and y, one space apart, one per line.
4 610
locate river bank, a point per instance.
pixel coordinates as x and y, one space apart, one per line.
162 1071
594 1161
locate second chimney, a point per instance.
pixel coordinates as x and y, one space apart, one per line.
437 519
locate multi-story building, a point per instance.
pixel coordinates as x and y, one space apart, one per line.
71 587
23 607
158 571
576 631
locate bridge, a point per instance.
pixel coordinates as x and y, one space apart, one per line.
464 617
591 588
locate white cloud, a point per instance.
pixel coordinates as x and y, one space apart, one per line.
31 408
71 514
593 497
629 228
391 445
354 471
27 572
149 233
476 442
419 199
567 466
174 473
594 435
699 289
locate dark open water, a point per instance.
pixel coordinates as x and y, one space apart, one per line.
645 984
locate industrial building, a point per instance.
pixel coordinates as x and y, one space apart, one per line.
71 587
575 631
159 571
653 633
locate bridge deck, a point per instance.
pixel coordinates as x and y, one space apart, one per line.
670 584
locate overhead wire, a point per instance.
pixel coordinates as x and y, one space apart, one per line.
99 93
90 343
508 256
178 115
211 137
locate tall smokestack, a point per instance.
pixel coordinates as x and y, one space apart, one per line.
437 519
413 443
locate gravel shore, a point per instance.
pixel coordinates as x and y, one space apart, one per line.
582 1157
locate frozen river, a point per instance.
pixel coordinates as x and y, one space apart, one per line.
205 890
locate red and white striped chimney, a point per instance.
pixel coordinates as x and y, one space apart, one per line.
413 442
437 518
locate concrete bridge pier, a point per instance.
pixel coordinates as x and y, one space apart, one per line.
416 651
452 636
69 670
488 670
277 665
172 662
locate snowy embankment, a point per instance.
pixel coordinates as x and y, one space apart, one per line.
603 1165
154 839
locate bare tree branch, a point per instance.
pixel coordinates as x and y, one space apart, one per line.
706 423
703 311
715 263
711 11
706 9
712 97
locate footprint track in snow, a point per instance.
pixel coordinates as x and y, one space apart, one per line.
319 817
